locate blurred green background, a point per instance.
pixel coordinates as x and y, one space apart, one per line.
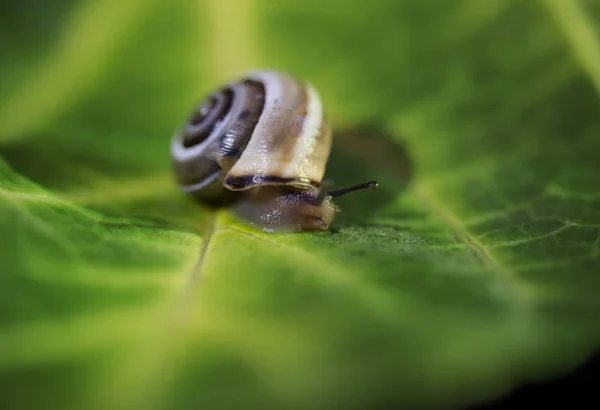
472 270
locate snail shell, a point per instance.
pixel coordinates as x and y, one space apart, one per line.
260 146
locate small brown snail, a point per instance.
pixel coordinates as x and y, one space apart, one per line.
259 146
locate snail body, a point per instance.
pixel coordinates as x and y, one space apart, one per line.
259 146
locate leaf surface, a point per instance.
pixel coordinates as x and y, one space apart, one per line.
472 270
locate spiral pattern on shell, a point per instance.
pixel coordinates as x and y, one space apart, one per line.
267 128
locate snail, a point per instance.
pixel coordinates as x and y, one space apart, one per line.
259 146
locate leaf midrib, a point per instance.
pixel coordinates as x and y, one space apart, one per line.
578 32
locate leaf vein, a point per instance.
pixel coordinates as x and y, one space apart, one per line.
579 33
93 32
481 251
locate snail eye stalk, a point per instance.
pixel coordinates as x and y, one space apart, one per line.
343 191
346 190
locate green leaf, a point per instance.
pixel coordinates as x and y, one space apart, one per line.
471 271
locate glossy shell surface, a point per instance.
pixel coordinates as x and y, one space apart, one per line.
266 129
291 141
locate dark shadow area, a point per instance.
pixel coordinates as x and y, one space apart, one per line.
575 390
55 167
49 161
364 153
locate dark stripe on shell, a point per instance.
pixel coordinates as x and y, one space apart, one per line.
249 181
217 133
195 171
245 113
206 116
